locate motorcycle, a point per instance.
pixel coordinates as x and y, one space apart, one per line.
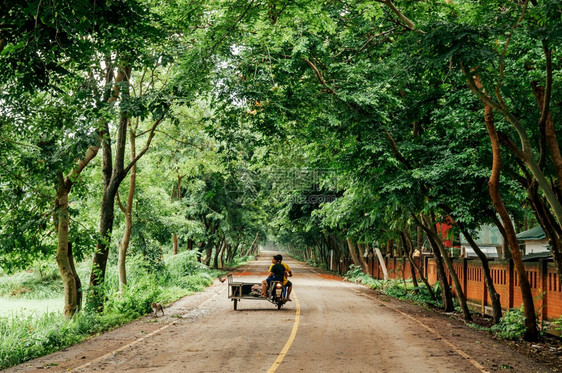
276 294
237 291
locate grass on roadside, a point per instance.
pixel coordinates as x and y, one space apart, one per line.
27 336
41 283
400 289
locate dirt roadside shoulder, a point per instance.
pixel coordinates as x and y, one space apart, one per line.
480 345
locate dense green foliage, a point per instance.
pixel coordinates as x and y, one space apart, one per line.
148 128
399 289
511 326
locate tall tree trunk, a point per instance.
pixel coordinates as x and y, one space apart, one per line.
381 262
353 253
219 248
225 248
123 247
213 227
390 248
65 260
102 252
200 249
401 242
78 285
419 238
429 228
230 249
361 256
113 175
409 250
531 333
446 293
494 297
334 244
543 215
254 244
416 268
128 212
313 255
399 251
549 225
242 254
543 96
174 244
526 152
208 255
237 248
61 219
413 272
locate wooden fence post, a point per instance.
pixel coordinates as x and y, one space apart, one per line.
510 284
542 285
464 275
484 289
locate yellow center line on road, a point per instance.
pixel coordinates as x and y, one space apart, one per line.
285 349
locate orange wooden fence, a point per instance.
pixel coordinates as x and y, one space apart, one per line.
542 276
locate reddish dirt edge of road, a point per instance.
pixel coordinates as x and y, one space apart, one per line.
547 352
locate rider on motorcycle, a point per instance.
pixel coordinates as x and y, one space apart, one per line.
276 273
288 273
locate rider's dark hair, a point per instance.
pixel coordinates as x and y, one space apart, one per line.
278 257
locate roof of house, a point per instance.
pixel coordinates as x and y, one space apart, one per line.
536 256
532 234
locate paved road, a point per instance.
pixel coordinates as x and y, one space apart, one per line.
330 326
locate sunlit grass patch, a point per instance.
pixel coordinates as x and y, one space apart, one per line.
17 306
32 284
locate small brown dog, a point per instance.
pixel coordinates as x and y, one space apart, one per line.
157 307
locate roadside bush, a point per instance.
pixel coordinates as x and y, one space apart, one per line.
394 288
29 337
419 294
26 337
181 265
195 282
174 277
356 274
135 299
557 324
511 325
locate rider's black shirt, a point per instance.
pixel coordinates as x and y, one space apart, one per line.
278 271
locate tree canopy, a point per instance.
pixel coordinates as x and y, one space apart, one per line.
312 123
